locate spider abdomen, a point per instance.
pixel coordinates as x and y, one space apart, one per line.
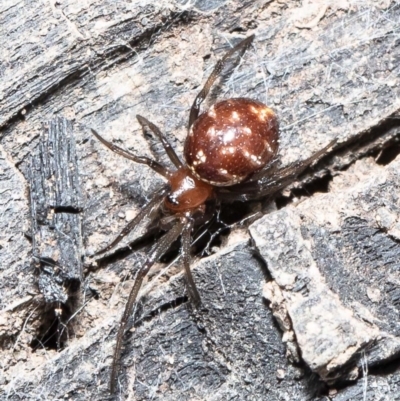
232 140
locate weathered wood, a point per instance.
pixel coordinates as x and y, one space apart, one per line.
335 260
56 205
100 63
14 247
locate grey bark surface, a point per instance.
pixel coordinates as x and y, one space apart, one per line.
320 302
55 203
329 289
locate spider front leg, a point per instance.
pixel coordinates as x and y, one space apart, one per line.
241 47
147 212
167 146
157 167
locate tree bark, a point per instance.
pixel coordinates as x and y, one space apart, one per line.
302 306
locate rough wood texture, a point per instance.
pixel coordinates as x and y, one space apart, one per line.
55 201
328 71
335 271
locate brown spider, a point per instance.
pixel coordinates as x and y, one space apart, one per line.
230 155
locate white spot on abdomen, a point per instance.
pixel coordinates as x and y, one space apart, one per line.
256 160
235 116
228 136
264 113
201 156
211 131
254 110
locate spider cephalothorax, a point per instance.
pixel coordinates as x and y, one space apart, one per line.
229 153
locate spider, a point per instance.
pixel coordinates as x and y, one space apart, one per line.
230 154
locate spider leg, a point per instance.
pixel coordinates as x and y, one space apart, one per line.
146 212
195 110
285 176
157 167
186 243
269 184
268 170
156 252
167 146
298 167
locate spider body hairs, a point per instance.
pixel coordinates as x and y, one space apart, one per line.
229 155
